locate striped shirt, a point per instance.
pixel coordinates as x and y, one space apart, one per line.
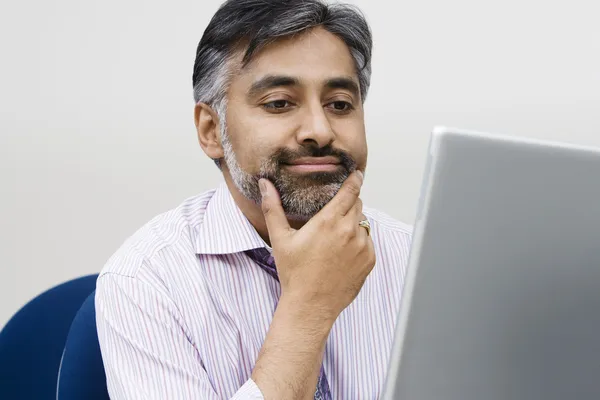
182 311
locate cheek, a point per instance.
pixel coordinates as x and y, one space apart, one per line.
248 156
352 137
251 153
242 145
256 146
361 154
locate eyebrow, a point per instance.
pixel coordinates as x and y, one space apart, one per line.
270 82
344 83
274 81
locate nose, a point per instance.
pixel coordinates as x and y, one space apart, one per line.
315 128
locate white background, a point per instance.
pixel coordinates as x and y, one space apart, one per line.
96 127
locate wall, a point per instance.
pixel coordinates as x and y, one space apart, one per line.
96 128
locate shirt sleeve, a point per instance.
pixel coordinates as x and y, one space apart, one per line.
145 348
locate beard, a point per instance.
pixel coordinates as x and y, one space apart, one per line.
302 194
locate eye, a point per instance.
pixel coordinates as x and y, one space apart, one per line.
341 106
277 105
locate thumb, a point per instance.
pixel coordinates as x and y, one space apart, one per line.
277 223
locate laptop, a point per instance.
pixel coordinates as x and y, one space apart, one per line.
502 293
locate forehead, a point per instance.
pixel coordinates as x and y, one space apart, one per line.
312 57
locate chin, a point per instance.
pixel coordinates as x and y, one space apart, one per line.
301 204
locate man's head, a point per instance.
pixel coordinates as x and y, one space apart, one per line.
280 83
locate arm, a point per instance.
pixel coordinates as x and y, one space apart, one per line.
144 341
321 267
290 359
145 349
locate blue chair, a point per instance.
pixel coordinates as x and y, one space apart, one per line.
81 373
32 342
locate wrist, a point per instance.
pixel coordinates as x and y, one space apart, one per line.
308 314
290 358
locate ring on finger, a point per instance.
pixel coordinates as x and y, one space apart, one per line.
367 225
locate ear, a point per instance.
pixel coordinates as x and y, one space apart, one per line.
208 128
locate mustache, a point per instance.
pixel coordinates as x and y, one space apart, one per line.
287 156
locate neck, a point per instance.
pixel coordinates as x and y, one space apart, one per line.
253 211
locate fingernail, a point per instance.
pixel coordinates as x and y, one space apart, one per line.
360 174
262 186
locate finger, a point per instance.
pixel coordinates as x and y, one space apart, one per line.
358 210
277 223
355 214
346 197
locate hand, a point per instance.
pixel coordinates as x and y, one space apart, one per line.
325 263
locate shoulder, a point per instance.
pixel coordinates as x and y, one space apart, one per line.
174 229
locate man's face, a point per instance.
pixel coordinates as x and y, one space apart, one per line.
295 116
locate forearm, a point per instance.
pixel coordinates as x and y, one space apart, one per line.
289 362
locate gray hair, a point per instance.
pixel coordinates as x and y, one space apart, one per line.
257 23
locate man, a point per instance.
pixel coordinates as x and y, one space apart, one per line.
275 285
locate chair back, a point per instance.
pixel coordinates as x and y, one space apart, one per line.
32 342
81 373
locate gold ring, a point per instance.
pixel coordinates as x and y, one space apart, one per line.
365 224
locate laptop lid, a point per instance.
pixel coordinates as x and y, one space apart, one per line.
502 294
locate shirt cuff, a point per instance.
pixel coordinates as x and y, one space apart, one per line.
249 391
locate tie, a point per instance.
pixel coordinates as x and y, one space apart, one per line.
265 260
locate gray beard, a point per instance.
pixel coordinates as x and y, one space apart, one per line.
301 196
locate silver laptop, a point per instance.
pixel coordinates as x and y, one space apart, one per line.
502 294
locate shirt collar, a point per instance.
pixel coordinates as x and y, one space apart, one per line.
225 229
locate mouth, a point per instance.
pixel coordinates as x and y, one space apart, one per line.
314 164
